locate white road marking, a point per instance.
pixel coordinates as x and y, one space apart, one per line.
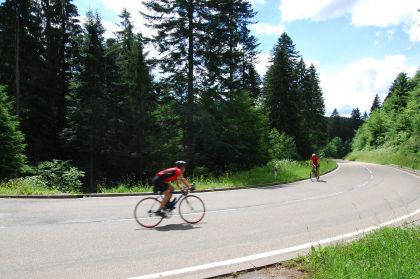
315 197
273 253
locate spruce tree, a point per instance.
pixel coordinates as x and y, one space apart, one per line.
314 109
22 69
138 100
87 104
178 39
376 104
335 125
398 93
280 87
12 147
356 119
60 30
230 52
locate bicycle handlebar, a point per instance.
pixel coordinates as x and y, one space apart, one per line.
185 191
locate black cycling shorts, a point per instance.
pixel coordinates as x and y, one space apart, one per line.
159 185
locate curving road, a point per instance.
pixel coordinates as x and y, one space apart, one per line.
97 237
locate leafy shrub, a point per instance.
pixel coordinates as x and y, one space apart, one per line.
282 146
60 175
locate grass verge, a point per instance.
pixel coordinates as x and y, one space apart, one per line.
387 156
31 185
287 171
385 253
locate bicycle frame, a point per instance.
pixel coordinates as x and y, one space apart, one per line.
177 198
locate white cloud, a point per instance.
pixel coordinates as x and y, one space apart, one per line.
356 85
263 63
414 31
267 29
134 7
109 26
313 9
308 63
384 13
363 12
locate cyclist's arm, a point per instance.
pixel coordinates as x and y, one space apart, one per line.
185 182
177 185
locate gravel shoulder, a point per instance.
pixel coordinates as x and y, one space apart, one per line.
267 272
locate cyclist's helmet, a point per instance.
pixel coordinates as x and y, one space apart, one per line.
180 163
313 155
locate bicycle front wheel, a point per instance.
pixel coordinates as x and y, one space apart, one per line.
192 209
145 212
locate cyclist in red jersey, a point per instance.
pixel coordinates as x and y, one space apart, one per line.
315 163
161 182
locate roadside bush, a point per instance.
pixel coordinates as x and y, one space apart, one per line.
60 175
282 146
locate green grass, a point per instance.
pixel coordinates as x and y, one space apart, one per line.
288 171
387 156
31 185
386 253
126 188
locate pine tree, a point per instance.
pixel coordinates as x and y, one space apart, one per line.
280 87
356 119
313 114
365 116
36 49
376 104
222 141
230 53
138 100
87 104
335 127
178 39
60 30
22 69
12 147
398 93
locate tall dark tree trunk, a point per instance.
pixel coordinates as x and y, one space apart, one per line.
189 133
17 62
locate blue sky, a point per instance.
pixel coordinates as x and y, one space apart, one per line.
357 46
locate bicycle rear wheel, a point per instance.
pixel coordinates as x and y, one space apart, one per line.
192 209
145 212
312 176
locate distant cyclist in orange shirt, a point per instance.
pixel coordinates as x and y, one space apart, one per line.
315 163
162 179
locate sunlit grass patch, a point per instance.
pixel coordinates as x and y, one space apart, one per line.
30 185
387 156
385 253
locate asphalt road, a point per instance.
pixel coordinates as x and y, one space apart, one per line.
98 238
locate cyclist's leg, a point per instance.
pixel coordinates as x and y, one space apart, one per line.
317 171
167 194
160 186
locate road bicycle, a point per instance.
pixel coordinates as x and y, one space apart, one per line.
313 175
191 209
